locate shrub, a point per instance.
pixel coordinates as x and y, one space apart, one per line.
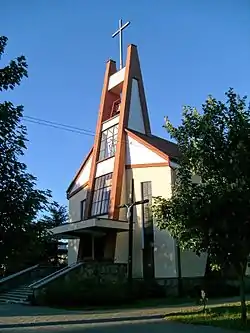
88 292
220 288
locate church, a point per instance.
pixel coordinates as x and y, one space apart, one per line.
126 162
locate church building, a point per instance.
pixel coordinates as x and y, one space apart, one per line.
125 152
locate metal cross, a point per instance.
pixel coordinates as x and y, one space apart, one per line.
119 31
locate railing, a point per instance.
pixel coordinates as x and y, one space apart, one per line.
32 285
17 279
54 276
12 276
115 107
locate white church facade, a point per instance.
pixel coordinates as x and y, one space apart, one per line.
124 149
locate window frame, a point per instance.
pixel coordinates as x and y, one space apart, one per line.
82 209
146 211
101 198
104 142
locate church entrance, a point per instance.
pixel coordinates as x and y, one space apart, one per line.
99 247
91 247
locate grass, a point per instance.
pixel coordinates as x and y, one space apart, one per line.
225 316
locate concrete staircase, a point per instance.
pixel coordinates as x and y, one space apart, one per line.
28 282
18 295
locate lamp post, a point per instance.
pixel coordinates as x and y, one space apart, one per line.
129 208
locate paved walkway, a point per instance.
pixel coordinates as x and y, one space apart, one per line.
18 318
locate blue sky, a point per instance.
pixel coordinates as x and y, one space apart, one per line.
187 49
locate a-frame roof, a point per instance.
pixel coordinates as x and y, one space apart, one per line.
79 170
163 146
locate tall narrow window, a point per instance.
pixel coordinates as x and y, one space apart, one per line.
108 142
101 195
82 209
146 188
148 232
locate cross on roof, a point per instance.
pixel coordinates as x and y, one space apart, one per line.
119 31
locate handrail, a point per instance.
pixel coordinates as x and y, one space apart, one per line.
48 276
12 276
55 276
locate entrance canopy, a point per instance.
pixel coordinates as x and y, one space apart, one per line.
93 226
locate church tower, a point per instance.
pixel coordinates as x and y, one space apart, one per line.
123 106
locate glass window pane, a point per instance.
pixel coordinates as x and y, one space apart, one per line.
97 183
102 145
101 195
95 196
115 129
104 207
102 182
106 194
108 141
93 209
97 209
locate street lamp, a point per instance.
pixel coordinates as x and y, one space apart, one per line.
129 208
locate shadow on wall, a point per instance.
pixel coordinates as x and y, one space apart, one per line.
73 248
137 245
164 254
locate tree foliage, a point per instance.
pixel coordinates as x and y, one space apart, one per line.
56 215
20 200
212 214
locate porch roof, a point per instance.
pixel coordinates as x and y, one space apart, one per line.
93 225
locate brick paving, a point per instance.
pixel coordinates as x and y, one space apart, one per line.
19 318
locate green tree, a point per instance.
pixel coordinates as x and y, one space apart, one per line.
55 216
20 200
212 215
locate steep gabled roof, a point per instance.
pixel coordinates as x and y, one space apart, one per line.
164 146
79 170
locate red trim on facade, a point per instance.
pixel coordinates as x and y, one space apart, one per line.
79 170
132 70
146 165
106 103
70 195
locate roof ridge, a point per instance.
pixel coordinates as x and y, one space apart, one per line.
152 135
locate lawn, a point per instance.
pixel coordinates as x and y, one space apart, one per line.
225 316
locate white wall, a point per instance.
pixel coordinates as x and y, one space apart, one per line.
135 120
105 167
164 247
83 176
73 247
137 153
74 205
192 265
116 78
121 250
110 122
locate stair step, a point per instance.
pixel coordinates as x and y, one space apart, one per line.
15 293
22 290
12 301
19 295
13 296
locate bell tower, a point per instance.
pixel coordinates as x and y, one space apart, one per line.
123 105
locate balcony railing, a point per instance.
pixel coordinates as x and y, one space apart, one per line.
116 107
